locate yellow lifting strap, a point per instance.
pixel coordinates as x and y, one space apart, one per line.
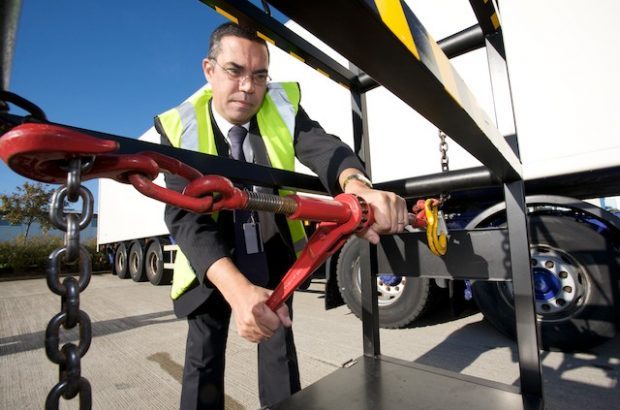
436 230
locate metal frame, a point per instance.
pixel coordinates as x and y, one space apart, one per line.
416 61
419 78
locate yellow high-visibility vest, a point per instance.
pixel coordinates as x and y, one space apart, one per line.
188 126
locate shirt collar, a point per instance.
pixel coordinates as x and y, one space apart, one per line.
224 125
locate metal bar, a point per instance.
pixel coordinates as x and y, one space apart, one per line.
360 126
455 45
500 85
463 42
487 16
368 252
523 288
271 30
478 184
370 307
366 83
9 17
477 254
210 164
432 184
514 194
399 54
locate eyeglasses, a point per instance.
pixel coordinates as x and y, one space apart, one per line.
237 74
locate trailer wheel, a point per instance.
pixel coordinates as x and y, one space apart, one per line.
401 300
573 286
154 264
120 261
136 262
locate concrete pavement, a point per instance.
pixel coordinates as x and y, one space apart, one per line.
135 360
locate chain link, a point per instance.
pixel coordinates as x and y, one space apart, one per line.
68 357
445 164
443 148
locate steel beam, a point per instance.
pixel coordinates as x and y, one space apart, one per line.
387 41
454 45
462 42
267 27
433 184
370 304
236 171
478 254
9 16
523 288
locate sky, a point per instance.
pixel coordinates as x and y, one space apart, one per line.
110 65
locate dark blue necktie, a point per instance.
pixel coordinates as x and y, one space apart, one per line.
236 135
254 264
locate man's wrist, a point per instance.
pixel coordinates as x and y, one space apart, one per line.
355 177
227 278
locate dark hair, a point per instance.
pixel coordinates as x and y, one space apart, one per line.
231 29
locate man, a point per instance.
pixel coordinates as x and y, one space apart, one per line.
242 115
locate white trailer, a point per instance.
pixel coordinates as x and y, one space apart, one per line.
131 226
563 87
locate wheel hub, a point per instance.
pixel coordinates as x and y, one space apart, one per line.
390 280
546 285
389 287
559 282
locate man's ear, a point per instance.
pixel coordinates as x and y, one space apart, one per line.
207 69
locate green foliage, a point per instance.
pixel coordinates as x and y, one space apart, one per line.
6 250
20 256
27 205
99 260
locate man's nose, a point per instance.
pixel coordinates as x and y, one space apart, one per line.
246 84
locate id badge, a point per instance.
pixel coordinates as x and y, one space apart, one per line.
252 236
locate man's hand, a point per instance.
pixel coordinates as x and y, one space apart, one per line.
255 321
389 210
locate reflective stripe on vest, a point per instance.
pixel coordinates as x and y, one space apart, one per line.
276 122
188 126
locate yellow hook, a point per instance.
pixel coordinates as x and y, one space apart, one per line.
436 232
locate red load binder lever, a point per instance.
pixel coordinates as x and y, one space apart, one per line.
42 151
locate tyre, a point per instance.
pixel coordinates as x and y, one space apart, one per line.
400 299
136 262
154 264
573 286
120 261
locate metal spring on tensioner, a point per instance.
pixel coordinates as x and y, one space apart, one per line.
271 203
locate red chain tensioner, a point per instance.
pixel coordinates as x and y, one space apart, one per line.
42 152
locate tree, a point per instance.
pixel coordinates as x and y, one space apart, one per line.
28 205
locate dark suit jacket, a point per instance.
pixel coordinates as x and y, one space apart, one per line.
204 241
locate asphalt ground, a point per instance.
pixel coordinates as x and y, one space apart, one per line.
136 356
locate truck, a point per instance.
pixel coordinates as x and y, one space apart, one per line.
134 234
567 141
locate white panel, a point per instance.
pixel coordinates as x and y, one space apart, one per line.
563 65
124 213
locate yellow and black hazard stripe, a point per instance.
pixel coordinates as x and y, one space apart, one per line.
409 30
297 54
487 16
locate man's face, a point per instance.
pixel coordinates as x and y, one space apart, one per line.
237 99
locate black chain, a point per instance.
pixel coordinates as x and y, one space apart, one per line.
71 383
445 163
